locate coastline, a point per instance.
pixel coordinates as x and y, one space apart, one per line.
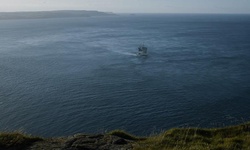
51 14
232 137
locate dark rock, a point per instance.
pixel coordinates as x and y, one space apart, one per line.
120 142
85 142
96 136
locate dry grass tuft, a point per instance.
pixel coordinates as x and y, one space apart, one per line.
229 138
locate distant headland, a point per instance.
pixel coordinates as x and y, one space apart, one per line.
51 14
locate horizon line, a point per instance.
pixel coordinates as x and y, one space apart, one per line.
215 13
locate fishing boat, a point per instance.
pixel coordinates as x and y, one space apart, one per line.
142 50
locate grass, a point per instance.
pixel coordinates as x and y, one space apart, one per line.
16 140
127 136
229 138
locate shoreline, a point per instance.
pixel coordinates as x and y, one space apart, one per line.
231 137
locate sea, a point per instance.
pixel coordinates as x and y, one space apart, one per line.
63 76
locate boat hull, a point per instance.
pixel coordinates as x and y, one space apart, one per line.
141 54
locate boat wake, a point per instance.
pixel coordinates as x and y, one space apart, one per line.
127 53
124 53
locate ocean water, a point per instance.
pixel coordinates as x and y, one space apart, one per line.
64 76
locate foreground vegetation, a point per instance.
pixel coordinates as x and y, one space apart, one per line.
228 138
16 140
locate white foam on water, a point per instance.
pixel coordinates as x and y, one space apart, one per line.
125 53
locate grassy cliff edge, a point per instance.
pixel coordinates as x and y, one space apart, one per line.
228 138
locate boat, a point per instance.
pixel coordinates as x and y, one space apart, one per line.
142 50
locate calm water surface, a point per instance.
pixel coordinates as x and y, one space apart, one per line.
65 76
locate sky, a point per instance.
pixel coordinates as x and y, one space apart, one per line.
131 6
